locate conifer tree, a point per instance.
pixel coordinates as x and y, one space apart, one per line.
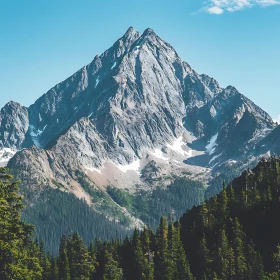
238 243
231 195
223 202
80 263
222 260
18 259
203 215
181 267
54 269
205 257
45 262
92 255
163 266
63 263
141 268
215 277
112 270
276 260
145 237
100 259
231 263
269 194
255 269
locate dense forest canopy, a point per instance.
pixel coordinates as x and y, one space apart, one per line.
233 235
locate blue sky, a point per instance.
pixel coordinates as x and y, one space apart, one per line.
235 41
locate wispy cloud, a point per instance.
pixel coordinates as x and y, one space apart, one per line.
218 7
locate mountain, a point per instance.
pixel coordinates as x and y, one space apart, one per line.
137 118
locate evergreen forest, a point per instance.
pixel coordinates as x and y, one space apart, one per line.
232 235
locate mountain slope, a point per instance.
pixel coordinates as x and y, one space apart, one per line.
136 118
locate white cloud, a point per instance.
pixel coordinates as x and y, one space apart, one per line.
215 10
218 7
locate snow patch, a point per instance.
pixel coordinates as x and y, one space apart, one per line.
159 154
114 65
213 111
43 128
232 161
134 166
5 155
136 49
94 169
215 157
97 81
177 147
35 134
211 147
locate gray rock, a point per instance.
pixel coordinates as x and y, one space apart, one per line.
14 124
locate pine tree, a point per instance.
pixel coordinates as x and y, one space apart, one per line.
269 194
140 264
163 265
18 257
231 195
80 263
238 246
146 241
276 260
222 260
100 258
231 264
63 263
112 270
45 262
256 194
255 269
205 257
93 258
223 202
54 269
181 267
203 215
215 277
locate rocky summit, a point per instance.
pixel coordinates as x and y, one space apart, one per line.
135 118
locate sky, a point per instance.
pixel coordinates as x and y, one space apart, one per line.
235 41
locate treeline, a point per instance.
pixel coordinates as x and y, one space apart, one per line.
144 255
150 206
233 235
56 213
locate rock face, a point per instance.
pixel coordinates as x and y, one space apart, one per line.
14 123
233 123
137 107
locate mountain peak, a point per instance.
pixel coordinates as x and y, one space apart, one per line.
13 104
131 31
149 31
